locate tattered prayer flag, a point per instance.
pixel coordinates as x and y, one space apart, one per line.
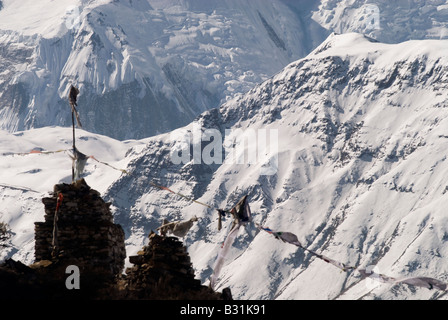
221 213
178 228
241 212
376 276
79 162
425 282
72 97
223 253
165 188
242 215
292 239
289 237
54 242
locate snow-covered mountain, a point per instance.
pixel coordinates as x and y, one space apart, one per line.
149 66
386 21
357 170
359 175
143 66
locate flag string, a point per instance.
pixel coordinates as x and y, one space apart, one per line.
109 165
186 197
221 212
426 282
291 238
36 151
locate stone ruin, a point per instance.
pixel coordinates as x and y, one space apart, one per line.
84 235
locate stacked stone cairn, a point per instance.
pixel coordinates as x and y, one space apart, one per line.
162 270
83 234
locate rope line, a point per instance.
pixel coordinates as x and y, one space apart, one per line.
427 282
35 151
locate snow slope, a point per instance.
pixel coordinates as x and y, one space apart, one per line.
26 178
28 17
359 175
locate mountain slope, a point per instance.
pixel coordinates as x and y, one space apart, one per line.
143 67
26 177
386 21
357 173
360 177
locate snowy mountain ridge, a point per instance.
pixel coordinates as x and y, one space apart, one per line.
361 165
155 64
356 124
386 21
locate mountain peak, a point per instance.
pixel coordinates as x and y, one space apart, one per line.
346 40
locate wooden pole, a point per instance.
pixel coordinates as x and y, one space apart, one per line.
72 100
74 147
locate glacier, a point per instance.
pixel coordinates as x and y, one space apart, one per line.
143 67
146 67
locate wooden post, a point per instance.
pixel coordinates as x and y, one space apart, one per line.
74 147
72 96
